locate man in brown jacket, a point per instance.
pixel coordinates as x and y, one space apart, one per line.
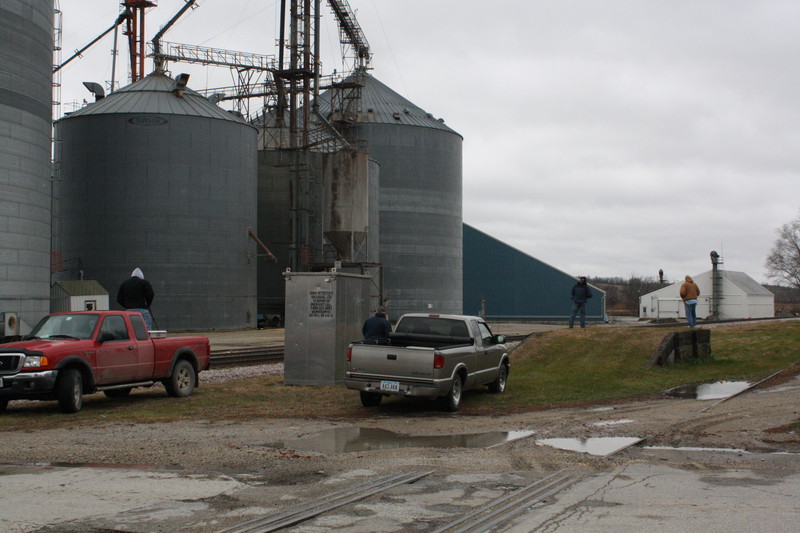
689 293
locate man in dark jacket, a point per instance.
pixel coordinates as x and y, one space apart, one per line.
377 326
580 295
136 294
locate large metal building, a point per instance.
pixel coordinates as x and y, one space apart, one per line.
157 177
503 283
26 66
420 200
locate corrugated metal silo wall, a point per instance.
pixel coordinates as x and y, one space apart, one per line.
274 228
420 215
274 223
516 286
174 195
373 240
26 66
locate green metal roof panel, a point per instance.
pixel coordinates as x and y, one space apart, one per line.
515 286
87 287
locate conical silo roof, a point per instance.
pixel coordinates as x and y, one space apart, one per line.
155 94
382 105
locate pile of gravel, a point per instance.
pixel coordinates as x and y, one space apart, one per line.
216 375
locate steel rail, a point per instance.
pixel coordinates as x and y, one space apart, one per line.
256 355
304 511
489 515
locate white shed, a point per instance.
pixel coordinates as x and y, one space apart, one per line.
83 295
740 297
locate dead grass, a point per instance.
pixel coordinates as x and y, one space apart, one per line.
558 368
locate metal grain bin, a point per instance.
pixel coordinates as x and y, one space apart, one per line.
162 179
420 200
26 66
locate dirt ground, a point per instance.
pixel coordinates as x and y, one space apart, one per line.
302 459
758 420
268 464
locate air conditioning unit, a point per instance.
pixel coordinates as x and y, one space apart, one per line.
9 325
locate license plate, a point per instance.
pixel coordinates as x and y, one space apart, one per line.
392 386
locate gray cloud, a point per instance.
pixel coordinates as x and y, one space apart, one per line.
605 138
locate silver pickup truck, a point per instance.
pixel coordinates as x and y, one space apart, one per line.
429 355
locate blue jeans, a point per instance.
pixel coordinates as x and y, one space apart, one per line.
148 318
691 312
578 308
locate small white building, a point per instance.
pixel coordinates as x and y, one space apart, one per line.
83 295
740 296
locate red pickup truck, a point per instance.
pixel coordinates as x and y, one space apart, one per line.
68 355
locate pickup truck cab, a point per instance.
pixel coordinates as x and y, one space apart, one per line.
68 355
429 355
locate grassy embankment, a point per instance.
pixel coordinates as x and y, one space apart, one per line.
554 369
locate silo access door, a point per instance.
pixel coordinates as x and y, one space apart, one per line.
324 313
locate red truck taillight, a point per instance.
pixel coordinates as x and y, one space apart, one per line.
438 360
349 354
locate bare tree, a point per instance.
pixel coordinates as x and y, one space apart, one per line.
783 263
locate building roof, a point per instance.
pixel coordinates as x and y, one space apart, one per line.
88 287
746 283
382 105
740 280
155 95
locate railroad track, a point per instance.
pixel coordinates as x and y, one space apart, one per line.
253 355
259 355
482 519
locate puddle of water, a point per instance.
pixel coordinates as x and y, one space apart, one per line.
593 446
355 439
612 422
709 391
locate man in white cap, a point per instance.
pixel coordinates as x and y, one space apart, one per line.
136 294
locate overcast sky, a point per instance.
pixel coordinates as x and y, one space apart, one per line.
605 138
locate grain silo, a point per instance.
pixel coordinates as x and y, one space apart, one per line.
26 66
155 176
420 197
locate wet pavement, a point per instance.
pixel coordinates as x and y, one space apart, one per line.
646 493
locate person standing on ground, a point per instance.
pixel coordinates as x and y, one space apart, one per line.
689 293
580 295
377 326
136 294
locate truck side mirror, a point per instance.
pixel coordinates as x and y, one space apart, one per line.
500 339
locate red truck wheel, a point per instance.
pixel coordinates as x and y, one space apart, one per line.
70 391
182 381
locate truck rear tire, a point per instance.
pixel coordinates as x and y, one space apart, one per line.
370 399
69 391
499 385
182 381
3 405
452 401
